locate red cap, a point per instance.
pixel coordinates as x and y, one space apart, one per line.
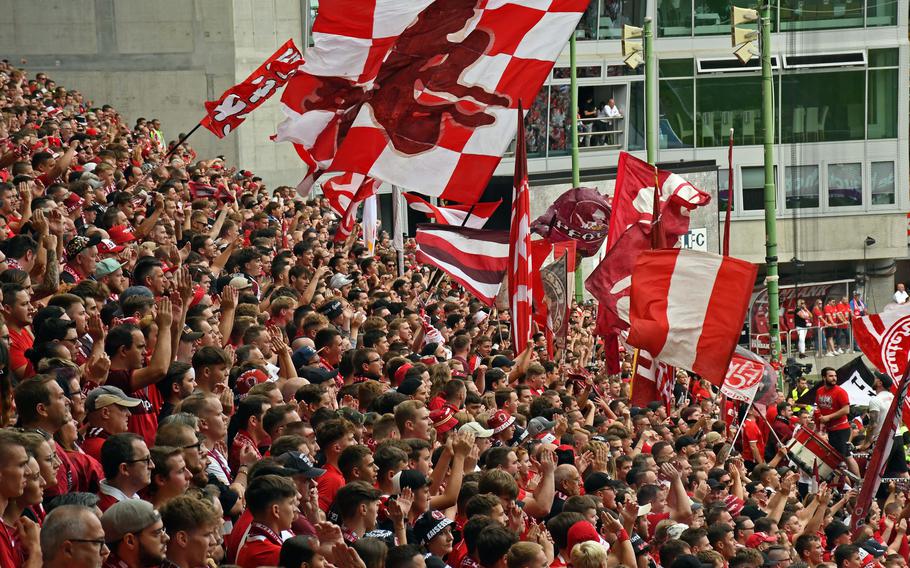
198 294
249 379
121 234
500 421
107 246
583 531
755 539
443 419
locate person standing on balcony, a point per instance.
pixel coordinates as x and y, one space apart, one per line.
610 110
900 295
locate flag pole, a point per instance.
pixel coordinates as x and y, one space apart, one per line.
170 152
726 249
576 170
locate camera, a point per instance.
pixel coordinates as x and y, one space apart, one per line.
795 370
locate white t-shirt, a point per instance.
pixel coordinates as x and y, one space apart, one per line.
611 111
901 297
880 403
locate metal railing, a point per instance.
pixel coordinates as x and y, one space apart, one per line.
815 336
600 132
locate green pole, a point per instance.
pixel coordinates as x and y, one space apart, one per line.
767 91
576 172
650 91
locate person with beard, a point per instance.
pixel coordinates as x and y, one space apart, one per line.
367 365
127 465
274 503
42 405
180 435
135 535
833 411
177 384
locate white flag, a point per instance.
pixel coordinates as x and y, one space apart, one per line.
370 223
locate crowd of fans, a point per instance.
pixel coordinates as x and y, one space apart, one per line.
195 374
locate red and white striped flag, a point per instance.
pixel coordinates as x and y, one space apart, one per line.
453 213
345 192
421 93
475 258
651 380
885 339
520 287
687 308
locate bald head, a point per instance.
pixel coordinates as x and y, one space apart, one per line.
567 479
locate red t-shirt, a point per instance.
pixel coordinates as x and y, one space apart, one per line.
329 484
93 442
829 400
256 553
232 542
11 553
144 418
845 310
751 433
819 316
66 479
830 314
19 342
87 471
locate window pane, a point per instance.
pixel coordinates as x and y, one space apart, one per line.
801 183
636 116
883 57
676 109
676 68
881 176
615 13
559 119
881 13
536 125
674 18
820 14
882 103
587 26
723 190
753 182
845 185
741 112
712 17
824 106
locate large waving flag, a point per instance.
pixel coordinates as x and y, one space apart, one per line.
687 308
455 214
475 258
345 192
230 110
421 93
521 289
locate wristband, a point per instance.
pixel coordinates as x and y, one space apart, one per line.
623 536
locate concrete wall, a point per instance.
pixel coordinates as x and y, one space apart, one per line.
163 59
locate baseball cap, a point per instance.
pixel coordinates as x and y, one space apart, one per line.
501 361
758 538
107 246
339 281
713 438
443 419
316 375
477 429
874 547
240 283
106 395
128 516
136 291
248 379
408 478
676 529
539 424
106 267
331 309
303 355
121 234
79 243
409 386
596 481
190 335
886 380
352 415
583 531
500 421
429 525
834 530
684 441
301 464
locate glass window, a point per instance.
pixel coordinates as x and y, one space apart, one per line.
801 184
314 9
536 125
587 25
723 190
820 14
883 57
559 134
677 128
581 72
881 13
636 116
753 183
882 103
674 18
826 106
881 177
712 17
741 112
616 13
675 68
845 185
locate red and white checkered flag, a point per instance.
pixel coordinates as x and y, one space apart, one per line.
421 93
345 192
520 246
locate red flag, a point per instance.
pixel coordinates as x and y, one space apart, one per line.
651 380
875 469
229 111
630 230
885 339
475 258
345 192
520 280
453 213
422 94
687 308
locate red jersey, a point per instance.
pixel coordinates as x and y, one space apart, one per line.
262 547
829 400
751 433
843 311
11 553
329 484
19 342
66 480
144 418
93 442
830 315
819 316
233 540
